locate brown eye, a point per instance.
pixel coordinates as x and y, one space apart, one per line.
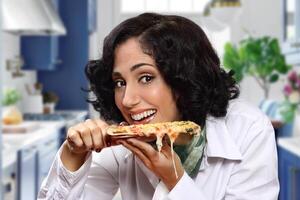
146 79
119 83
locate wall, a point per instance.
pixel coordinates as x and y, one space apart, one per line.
74 53
11 48
104 25
1 72
259 18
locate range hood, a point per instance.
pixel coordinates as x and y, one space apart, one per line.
31 17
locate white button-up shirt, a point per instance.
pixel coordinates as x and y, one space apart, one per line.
240 162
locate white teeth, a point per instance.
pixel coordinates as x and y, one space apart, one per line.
142 115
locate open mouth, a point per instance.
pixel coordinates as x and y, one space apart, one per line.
144 116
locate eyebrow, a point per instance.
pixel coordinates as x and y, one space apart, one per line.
134 67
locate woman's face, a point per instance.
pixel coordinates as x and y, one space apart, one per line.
141 93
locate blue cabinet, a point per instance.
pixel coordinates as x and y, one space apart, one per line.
74 52
289 175
40 52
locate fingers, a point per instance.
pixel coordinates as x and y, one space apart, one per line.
146 148
138 153
86 136
74 138
96 134
104 137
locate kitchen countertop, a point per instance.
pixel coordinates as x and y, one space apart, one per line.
12 142
291 144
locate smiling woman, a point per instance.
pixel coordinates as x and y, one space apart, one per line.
140 88
162 68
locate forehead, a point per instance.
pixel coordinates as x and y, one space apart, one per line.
129 54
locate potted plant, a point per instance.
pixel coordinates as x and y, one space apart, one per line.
260 58
289 106
50 100
11 114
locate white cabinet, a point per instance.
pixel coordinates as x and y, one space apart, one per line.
26 170
46 153
33 164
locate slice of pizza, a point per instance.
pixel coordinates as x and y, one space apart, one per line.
179 132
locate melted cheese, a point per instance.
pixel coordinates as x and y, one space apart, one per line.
172 136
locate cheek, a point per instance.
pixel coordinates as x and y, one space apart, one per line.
161 96
155 94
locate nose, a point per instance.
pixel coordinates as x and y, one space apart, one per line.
131 97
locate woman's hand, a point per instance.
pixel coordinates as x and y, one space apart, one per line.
160 163
81 139
87 136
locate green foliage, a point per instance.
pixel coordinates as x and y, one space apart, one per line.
257 57
10 97
287 111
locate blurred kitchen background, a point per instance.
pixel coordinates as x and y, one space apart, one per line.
45 44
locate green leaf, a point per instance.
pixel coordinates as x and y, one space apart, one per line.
287 111
273 78
10 97
260 57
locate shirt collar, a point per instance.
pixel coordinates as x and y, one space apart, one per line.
220 142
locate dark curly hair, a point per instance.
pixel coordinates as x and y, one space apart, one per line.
185 58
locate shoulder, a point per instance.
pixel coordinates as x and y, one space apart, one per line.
243 109
247 123
243 121
243 115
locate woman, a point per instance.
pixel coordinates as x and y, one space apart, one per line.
157 68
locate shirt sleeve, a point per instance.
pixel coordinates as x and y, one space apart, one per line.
186 189
82 184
